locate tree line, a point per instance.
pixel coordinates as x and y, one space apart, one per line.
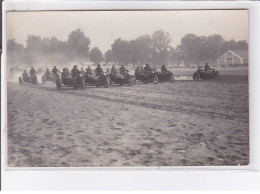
155 50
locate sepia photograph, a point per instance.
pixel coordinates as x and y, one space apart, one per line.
127 88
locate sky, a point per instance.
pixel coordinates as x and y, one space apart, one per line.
103 27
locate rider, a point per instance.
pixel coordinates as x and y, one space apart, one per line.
64 72
89 70
207 68
32 72
164 70
75 72
113 70
25 74
82 71
147 69
200 69
123 70
107 71
47 73
67 71
137 70
55 71
99 71
141 70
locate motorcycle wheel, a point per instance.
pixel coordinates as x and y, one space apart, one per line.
172 79
196 76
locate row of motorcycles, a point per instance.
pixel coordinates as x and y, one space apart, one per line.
93 79
117 77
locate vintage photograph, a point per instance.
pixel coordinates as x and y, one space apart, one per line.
127 88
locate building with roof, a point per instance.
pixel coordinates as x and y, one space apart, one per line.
233 58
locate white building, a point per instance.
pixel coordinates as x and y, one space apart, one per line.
233 58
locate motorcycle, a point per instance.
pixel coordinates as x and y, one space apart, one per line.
147 77
122 78
68 81
206 75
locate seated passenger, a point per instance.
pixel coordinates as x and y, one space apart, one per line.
199 69
89 71
55 71
99 71
25 75
82 71
32 72
64 72
164 70
107 71
147 69
137 71
75 72
48 73
207 68
123 70
113 70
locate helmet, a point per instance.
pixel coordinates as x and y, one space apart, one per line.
75 66
98 65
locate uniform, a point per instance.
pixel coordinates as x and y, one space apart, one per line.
75 72
123 70
99 71
147 69
55 71
113 70
164 70
32 72
47 73
207 68
25 75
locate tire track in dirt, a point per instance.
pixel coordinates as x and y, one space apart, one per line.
207 114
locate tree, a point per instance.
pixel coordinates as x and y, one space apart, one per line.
34 51
215 44
161 45
141 49
96 55
78 45
190 44
173 56
242 45
109 57
15 52
120 49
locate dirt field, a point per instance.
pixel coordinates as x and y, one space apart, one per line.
183 123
